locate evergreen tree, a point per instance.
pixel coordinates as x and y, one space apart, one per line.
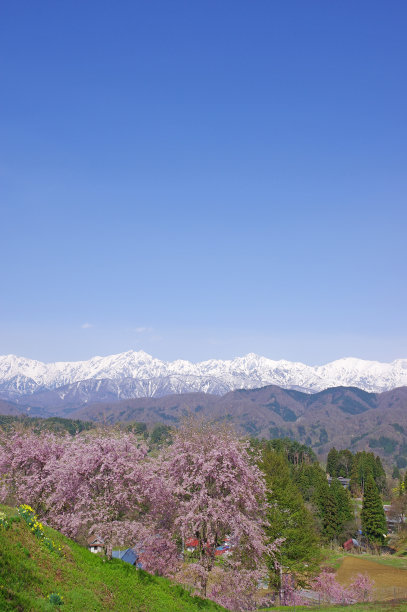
308 479
365 465
343 503
379 474
290 519
373 518
334 510
354 477
332 462
344 463
331 523
396 473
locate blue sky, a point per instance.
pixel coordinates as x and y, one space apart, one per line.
203 179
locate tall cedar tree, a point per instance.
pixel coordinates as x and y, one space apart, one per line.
290 519
308 478
344 464
343 508
396 472
325 500
365 465
334 510
373 518
332 462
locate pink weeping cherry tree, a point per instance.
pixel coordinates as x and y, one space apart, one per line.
219 491
101 483
333 592
206 485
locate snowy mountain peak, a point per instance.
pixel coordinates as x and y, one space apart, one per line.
138 374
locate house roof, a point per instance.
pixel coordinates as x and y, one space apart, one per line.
191 542
128 556
95 541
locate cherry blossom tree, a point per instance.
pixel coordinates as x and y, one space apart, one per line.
333 592
236 588
219 492
205 485
24 466
102 483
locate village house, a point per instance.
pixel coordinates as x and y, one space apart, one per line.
191 545
344 481
96 544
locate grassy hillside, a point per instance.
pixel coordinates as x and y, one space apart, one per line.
29 573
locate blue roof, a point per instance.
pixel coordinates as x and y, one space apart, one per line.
128 556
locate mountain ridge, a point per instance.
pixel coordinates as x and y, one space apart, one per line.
135 374
344 417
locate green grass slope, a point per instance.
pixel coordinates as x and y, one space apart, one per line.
29 572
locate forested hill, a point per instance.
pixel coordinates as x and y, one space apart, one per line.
341 416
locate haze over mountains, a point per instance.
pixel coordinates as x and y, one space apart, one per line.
136 374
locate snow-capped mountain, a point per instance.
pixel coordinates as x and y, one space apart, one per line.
137 374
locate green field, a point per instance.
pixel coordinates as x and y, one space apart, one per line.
29 573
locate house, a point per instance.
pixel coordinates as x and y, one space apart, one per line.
128 556
344 481
191 544
96 544
222 550
394 519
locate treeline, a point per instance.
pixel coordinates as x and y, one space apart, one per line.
39 424
156 435
307 510
310 510
295 452
358 468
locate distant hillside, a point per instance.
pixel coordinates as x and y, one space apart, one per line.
10 408
29 573
345 417
55 424
341 417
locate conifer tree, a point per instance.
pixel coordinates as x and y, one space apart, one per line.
354 477
332 462
396 472
290 519
373 518
309 478
379 474
363 466
343 506
331 522
344 463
